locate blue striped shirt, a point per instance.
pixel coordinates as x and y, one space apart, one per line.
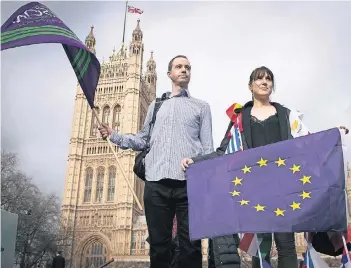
183 129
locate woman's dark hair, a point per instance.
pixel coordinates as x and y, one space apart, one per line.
259 73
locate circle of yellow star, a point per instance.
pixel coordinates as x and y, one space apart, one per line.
295 168
262 162
244 202
295 205
235 193
246 169
305 195
280 162
237 181
305 179
279 212
259 207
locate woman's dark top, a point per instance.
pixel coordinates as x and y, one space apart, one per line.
266 131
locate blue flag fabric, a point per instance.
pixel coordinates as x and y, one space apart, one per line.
34 23
296 185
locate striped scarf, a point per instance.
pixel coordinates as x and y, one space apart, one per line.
250 242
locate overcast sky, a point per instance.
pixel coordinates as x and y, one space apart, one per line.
306 45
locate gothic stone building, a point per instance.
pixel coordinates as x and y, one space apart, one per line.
98 208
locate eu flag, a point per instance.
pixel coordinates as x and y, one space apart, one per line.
297 185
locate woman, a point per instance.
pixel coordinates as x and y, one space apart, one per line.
260 122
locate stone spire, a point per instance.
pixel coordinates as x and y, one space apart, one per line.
150 75
136 46
90 40
137 33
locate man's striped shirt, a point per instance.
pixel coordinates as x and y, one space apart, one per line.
183 129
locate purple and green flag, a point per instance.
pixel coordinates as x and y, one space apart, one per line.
297 185
34 23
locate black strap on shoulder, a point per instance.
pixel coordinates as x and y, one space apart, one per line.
158 104
231 124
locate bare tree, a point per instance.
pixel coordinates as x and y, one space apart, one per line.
39 214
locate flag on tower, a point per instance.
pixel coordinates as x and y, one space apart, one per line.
289 186
135 10
34 23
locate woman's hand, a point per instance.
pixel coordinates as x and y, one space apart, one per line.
345 128
186 162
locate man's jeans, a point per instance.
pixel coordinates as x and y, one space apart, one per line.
287 257
162 201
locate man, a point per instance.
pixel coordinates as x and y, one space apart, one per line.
183 127
58 261
174 245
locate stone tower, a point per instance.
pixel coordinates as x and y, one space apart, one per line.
98 209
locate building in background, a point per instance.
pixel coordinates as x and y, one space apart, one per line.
99 213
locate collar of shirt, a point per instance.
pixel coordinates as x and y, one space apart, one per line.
183 93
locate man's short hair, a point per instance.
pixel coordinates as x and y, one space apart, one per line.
171 61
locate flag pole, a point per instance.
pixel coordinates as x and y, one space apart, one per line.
119 164
124 24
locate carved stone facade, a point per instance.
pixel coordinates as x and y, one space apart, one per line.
97 204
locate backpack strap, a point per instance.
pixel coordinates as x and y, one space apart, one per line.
158 104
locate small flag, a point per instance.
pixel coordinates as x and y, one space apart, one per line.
290 186
249 245
344 261
315 258
34 23
231 111
308 260
135 10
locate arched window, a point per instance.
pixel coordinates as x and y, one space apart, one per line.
116 117
133 241
94 255
94 125
99 184
105 114
111 183
88 184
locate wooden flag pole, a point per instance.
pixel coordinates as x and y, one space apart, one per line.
119 164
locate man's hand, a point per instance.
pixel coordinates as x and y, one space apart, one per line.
105 131
186 162
345 128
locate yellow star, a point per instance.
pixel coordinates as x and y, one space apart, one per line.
237 181
259 207
295 205
295 168
262 162
279 212
305 179
246 169
280 162
235 193
244 202
305 195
